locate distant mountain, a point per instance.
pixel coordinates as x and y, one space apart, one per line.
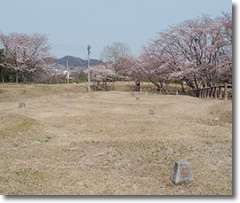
75 62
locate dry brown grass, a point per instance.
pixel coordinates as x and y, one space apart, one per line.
68 142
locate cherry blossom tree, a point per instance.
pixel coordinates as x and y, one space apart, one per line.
225 62
24 53
2 64
149 65
154 66
197 51
103 73
131 69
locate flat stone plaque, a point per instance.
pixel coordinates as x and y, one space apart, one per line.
21 105
151 112
181 172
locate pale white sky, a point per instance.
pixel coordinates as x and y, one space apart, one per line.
73 24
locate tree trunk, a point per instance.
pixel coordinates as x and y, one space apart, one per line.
156 84
161 84
197 92
113 86
167 90
182 85
24 78
17 76
2 74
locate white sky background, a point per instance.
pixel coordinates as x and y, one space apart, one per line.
73 24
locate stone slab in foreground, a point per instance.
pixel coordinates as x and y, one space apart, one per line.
182 172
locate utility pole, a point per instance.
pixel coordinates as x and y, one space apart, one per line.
89 47
67 73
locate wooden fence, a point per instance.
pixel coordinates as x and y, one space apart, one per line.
161 91
220 92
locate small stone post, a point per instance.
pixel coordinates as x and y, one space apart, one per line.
21 105
181 172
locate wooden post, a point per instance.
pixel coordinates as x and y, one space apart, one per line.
215 92
225 91
200 93
207 92
212 92
220 92
176 88
167 87
17 76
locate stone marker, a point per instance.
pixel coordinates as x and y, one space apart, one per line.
151 112
68 96
181 172
21 105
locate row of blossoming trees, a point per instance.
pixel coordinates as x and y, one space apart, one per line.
195 52
22 54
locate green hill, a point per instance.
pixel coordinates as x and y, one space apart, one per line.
75 62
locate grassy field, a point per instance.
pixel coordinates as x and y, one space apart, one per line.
67 142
